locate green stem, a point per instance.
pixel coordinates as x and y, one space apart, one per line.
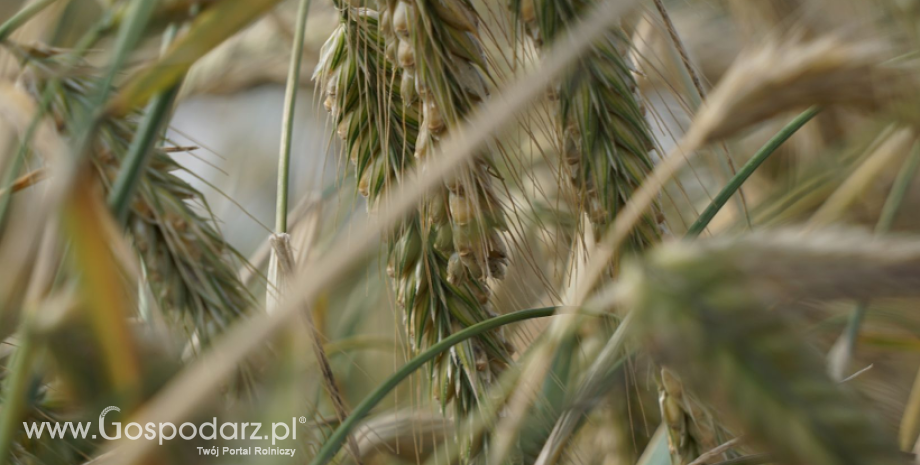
287 122
22 16
139 152
92 36
838 369
898 192
129 34
142 146
886 219
334 442
83 44
748 169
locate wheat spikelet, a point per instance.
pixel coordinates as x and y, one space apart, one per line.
444 72
605 140
439 287
692 430
188 264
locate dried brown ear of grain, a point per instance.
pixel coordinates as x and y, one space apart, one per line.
787 75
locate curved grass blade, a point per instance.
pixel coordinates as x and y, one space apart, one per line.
149 133
596 379
334 442
748 169
22 16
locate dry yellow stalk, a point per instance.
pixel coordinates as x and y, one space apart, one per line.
780 76
885 155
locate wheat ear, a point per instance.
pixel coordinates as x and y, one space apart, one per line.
707 305
606 143
439 288
187 262
605 140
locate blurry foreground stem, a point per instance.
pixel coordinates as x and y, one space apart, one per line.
23 16
129 35
143 144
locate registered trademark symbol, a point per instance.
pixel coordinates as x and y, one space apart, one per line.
303 419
